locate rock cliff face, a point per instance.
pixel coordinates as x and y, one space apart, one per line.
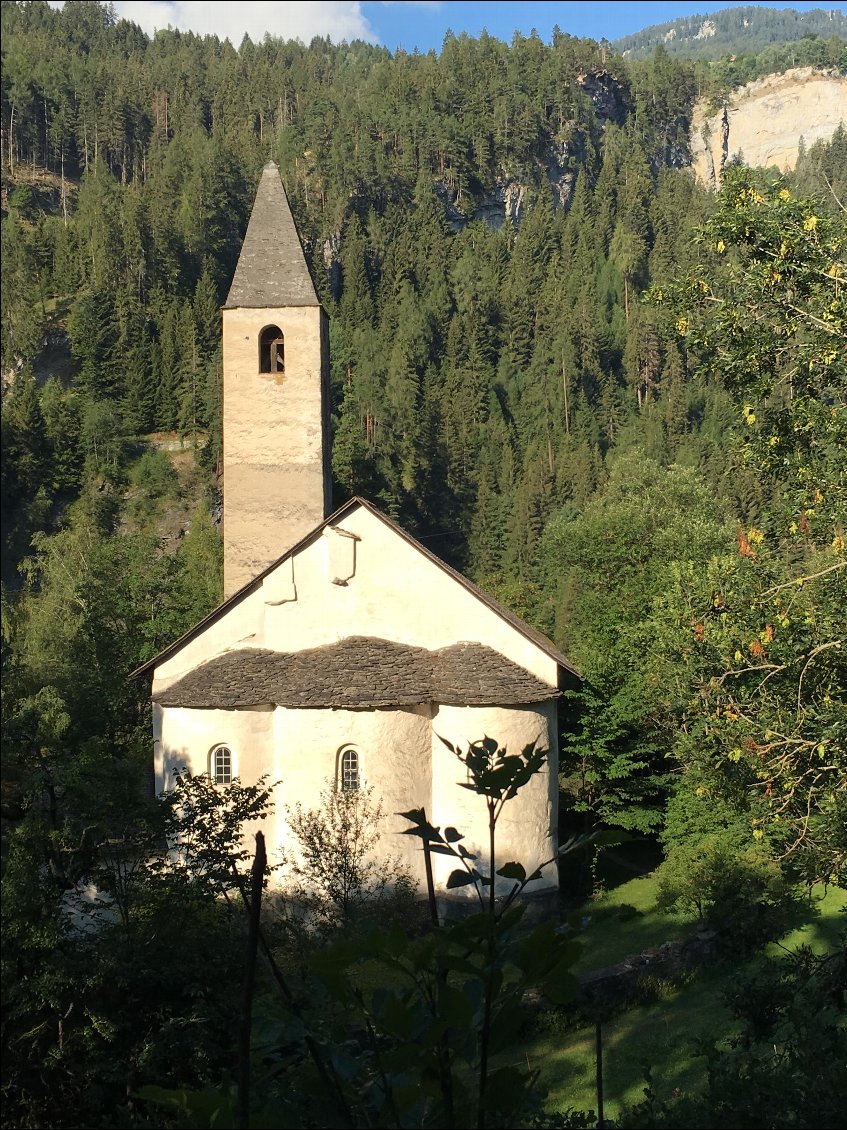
765 121
504 200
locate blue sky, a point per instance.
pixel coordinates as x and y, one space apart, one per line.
412 24
424 25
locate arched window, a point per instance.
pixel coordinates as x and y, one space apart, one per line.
220 765
271 350
348 770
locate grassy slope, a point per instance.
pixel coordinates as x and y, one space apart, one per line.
664 1033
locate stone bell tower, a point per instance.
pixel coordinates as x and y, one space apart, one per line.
275 394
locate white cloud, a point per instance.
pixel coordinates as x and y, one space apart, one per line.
303 19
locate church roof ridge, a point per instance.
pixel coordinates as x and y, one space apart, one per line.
538 638
272 268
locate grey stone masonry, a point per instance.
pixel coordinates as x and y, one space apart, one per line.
358 672
272 269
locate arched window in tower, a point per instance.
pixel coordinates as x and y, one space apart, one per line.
272 350
348 770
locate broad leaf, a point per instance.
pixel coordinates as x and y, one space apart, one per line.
513 871
460 879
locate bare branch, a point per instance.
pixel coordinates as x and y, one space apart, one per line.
802 580
834 196
821 647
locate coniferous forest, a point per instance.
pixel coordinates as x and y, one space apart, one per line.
615 400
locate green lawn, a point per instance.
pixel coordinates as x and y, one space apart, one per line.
665 1033
662 1035
624 921
821 932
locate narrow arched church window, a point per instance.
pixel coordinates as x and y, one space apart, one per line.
271 350
220 768
349 770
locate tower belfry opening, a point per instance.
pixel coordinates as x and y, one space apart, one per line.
272 350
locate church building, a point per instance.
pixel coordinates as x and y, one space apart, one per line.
344 650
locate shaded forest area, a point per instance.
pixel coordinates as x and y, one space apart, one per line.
615 401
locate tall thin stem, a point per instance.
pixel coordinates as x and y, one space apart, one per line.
257 875
430 882
445 1070
489 970
325 1071
492 821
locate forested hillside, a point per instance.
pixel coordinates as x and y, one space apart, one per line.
744 30
739 45
615 401
478 377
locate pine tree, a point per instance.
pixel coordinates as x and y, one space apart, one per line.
25 447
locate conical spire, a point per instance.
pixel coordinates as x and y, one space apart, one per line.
272 269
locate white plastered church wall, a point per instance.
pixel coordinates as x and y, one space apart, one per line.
187 739
526 832
393 748
396 593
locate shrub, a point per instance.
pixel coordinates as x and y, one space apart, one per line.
740 892
155 478
341 873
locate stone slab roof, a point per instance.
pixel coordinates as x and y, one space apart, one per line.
272 269
357 672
